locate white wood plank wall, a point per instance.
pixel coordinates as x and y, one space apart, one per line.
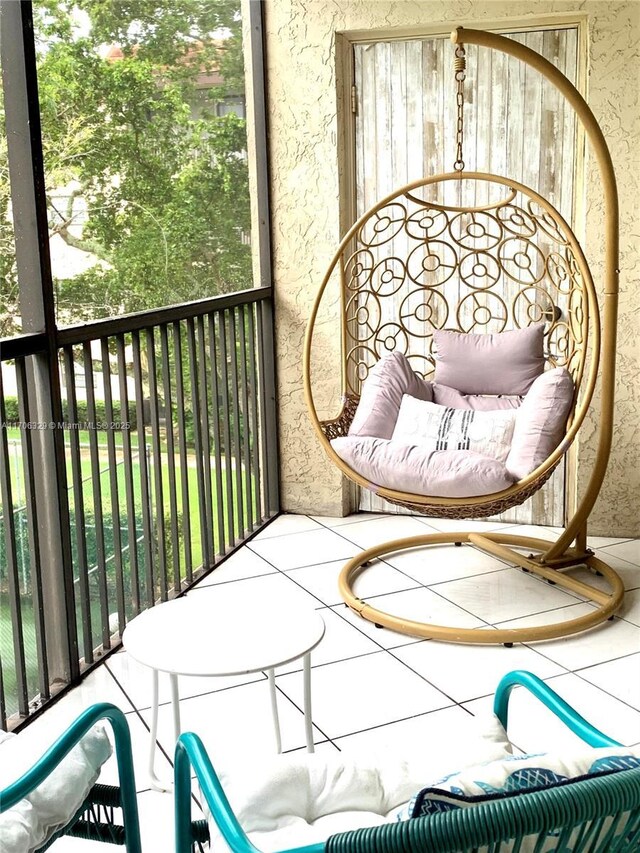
515 124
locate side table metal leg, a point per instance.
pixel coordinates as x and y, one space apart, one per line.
175 705
274 709
308 723
156 784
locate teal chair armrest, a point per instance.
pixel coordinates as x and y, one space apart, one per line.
190 752
577 723
64 744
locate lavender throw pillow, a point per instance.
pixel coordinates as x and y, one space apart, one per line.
390 378
540 421
503 363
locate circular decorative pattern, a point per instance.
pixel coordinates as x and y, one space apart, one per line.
388 277
577 318
383 225
522 260
358 269
551 227
486 312
480 270
516 220
360 360
559 272
574 268
426 224
560 344
414 265
476 230
422 311
364 312
533 305
432 263
389 338
421 364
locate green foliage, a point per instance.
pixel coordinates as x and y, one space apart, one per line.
159 185
13 412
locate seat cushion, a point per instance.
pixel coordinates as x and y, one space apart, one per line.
443 428
297 799
540 421
421 471
49 807
502 363
390 378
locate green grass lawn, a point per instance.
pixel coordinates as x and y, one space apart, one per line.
88 502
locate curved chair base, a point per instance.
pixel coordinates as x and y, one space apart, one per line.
499 545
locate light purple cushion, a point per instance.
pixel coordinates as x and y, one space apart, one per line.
445 396
503 363
390 378
540 421
418 471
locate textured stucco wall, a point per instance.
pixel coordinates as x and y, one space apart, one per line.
303 143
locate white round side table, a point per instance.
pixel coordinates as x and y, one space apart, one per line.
207 634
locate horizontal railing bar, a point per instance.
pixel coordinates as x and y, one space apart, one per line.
23 345
156 317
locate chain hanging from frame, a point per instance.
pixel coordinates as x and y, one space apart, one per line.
459 66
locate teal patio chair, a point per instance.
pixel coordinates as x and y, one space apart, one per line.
598 813
94 818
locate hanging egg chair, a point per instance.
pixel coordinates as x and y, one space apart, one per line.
473 339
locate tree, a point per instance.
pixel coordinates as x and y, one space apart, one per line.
157 180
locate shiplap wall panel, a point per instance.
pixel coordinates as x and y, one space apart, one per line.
515 124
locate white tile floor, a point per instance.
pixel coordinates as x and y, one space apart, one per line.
374 688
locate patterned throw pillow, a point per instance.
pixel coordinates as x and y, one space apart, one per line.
436 427
516 775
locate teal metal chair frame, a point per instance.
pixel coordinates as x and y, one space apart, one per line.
94 820
585 805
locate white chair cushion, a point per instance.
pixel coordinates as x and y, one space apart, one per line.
31 822
436 427
298 799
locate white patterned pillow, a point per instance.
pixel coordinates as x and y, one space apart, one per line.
442 428
516 775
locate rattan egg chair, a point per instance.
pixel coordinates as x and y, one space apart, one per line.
413 264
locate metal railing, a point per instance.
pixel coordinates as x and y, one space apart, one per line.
170 462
